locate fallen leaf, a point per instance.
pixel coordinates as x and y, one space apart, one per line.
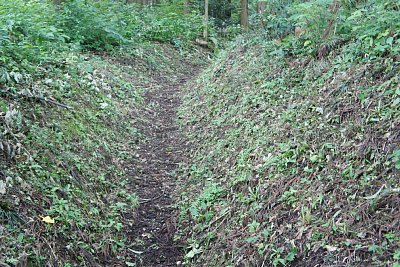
148 235
135 251
48 219
330 248
2 188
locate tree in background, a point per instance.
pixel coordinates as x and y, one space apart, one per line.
221 11
144 2
261 5
244 15
205 33
225 12
187 6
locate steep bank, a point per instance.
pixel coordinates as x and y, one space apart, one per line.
76 151
296 158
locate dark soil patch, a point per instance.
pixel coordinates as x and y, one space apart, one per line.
154 180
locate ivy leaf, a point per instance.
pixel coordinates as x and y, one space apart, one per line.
396 255
194 212
193 252
396 102
292 254
3 107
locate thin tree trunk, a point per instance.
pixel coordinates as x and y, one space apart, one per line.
261 11
205 33
244 15
228 15
187 7
139 2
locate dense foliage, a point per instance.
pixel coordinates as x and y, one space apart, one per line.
37 32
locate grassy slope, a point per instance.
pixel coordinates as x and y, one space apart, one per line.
75 164
295 159
80 158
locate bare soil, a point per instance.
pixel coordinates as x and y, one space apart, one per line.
154 180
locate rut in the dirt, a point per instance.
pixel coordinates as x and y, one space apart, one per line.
154 180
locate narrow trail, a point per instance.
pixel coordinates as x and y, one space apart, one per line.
154 181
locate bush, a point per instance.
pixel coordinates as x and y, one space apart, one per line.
104 25
372 27
27 37
94 26
172 27
377 27
34 33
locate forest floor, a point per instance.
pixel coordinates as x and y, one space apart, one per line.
153 174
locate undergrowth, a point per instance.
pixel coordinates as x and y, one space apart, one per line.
71 84
295 158
62 159
67 151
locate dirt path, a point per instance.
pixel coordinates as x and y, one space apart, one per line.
154 180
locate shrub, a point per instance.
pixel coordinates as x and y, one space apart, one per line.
377 27
94 26
27 37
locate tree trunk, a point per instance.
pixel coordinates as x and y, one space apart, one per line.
261 11
205 33
244 15
187 7
139 2
228 12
